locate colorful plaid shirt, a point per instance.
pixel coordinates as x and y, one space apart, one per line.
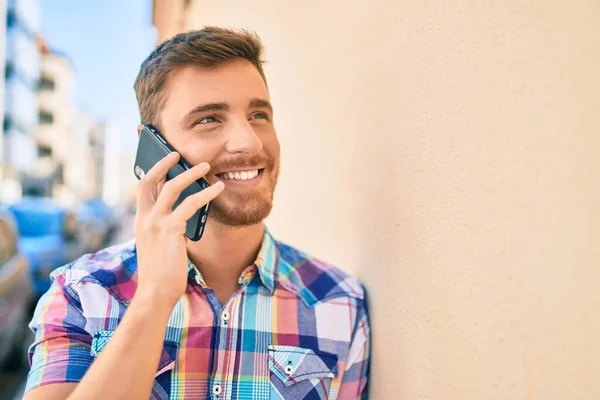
297 328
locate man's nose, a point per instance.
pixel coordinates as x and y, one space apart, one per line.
243 139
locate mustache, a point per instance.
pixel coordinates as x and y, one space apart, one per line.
255 162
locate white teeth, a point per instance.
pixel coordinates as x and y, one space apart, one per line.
241 176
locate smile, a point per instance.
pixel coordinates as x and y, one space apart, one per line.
240 176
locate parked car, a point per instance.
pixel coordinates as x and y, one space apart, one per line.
91 230
48 237
101 219
15 295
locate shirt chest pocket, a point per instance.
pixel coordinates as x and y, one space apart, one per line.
300 373
166 364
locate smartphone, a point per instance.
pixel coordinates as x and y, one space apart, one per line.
152 147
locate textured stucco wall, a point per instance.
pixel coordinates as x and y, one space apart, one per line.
447 153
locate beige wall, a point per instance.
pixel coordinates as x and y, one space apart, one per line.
448 155
169 17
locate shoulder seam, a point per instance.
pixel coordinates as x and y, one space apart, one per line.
87 276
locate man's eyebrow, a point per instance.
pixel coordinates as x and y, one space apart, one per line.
203 108
260 103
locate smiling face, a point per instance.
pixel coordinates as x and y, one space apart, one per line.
223 116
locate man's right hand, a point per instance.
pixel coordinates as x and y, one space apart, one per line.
160 230
127 365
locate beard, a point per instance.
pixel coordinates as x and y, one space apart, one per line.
241 208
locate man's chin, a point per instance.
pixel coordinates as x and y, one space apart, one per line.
239 217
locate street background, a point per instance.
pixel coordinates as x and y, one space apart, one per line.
446 153
67 147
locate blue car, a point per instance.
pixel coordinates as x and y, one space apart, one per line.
47 237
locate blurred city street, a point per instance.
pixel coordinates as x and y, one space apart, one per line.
12 380
67 186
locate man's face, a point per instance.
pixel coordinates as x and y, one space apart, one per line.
223 116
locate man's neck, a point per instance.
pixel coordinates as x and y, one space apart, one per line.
224 252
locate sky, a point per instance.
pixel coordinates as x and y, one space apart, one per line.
106 41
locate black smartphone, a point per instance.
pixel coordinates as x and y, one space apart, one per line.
152 147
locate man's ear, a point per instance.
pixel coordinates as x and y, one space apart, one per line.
139 129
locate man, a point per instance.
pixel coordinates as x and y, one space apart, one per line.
236 315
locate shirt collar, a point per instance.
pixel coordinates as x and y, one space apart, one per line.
265 263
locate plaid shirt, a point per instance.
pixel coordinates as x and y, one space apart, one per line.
296 329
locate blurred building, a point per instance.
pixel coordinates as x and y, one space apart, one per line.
79 167
104 140
111 158
54 132
128 182
78 155
50 147
2 68
97 141
22 72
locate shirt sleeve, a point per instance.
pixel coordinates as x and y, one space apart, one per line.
61 349
354 383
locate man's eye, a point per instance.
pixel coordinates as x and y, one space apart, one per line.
206 120
259 116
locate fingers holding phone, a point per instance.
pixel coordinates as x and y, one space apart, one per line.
151 182
177 185
160 228
173 205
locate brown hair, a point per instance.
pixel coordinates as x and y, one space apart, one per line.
209 47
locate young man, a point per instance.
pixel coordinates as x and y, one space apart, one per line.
236 315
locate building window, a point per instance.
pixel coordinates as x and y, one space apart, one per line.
46 117
6 124
46 84
12 73
11 125
15 21
9 71
11 19
44 151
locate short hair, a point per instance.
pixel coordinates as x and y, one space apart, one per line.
208 48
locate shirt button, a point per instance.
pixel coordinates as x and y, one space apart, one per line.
225 316
217 389
289 369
